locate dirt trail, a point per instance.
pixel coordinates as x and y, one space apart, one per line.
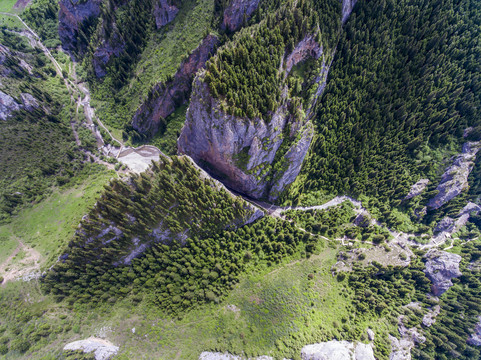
26 268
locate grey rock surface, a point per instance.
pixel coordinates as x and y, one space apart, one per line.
455 178
236 11
165 97
417 189
164 12
347 6
338 350
207 355
475 338
102 349
72 14
441 267
7 105
430 318
29 102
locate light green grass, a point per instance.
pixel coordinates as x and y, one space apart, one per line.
7 6
49 226
11 22
7 243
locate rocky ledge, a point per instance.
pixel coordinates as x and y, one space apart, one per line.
72 15
235 13
165 97
164 12
255 157
441 267
455 178
102 349
8 104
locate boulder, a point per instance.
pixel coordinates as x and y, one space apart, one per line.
417 189
102 349
338 350
7 105
441 267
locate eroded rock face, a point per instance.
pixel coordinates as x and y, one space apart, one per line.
441 267
455 178
235 13
164 12
7 105
164 98
111 46
347 6
72 14
217 141
243 152
417 189
475 338
102 349
430 318
337 350
207 355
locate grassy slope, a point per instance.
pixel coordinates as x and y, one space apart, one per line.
274 303
48 225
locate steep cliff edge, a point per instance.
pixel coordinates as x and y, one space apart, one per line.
236 12
76 19
165 97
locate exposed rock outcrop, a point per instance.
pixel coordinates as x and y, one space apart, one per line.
236 12
430 318
401 348
475 338
109 46
347 6
455 178
338 350
7 105
417 189
207 355
165 97
72 15
441 267
243 152
102 349
164 12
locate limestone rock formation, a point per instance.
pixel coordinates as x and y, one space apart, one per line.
165 97
164 12
235 13
242 152
7 105
475 338
430 318
347 6
455 178
109 46
207 355
337 350
102 349
72 16
417 189
441 267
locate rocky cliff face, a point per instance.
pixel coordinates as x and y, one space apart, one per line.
109 46
164 12
72 15
165 97
441 267
235 13
347 6
257 158
455 178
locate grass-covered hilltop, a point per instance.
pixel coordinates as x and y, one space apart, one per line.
240 179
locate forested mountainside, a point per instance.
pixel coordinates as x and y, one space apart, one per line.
240 179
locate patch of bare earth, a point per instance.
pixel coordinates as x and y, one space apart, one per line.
13 269
21 4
